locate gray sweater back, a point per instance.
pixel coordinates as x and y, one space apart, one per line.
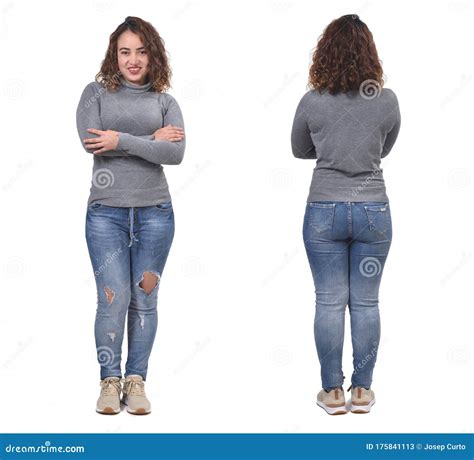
347 134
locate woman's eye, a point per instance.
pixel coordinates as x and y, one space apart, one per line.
126 52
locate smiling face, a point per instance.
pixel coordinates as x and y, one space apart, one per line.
132 58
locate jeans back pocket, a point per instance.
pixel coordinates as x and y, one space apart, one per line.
378 217
321 215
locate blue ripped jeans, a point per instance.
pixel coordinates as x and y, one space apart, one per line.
347 244
128 248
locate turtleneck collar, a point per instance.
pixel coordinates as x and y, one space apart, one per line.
133 88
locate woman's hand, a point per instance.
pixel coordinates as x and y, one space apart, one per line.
169 133
107 140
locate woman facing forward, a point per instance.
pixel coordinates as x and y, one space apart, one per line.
347 122
133 128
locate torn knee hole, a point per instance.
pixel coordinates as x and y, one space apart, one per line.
149 281
110 294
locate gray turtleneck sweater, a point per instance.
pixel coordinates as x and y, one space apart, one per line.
347 134
131 175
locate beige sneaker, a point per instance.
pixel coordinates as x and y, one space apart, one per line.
332 402
362 400
134 395
109 399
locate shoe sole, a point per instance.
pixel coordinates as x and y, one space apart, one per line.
340 410
108 411
140 411
362 409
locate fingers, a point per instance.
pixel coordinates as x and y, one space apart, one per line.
176 138
174 128
93 141
175 133
94 147
171 133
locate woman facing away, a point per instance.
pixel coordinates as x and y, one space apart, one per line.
132 127
347 122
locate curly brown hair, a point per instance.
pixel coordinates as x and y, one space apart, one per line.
345 57
159 69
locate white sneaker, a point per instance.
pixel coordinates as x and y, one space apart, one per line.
134 395
109 399
332 401
362 400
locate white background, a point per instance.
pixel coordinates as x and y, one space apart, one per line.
235 349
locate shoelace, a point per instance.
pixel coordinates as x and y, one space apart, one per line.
134 387
110 387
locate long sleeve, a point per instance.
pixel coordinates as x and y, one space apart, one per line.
301 142
88 116
393 133
157 151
